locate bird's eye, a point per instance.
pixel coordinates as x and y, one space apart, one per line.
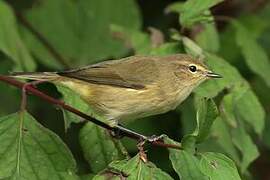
193 68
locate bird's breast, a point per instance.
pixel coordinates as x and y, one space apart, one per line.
117 103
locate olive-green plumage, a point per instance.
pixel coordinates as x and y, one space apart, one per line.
133 87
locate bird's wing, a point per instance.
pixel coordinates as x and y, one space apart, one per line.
133 72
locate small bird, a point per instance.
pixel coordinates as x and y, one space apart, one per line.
132 87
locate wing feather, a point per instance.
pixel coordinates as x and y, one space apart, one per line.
118 72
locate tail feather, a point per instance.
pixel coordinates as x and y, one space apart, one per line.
40 76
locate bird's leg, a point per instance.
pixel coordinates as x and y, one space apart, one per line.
142 153
155 138
116 132
121 131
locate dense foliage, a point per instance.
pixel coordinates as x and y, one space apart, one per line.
222 127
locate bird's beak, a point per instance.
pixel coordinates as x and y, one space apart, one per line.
213 75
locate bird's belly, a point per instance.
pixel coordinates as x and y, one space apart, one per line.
127 104
120 104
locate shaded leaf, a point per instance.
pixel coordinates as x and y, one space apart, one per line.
207 112
230 75
220 141
72 98
228 109
255 56
174 7
243 103
240 137
8 93
185 164
188 143
208 38
131 169
248 149
192 48
188 116
99 147
166 49
84 24
250 109
30 151
193 8
135 39
87 177
218 167
193 11
256 24
10 41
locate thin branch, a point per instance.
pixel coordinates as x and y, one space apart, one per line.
36 92
57 56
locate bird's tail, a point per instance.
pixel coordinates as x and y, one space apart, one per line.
39 76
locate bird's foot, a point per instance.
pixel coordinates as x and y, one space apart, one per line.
117 133
155 138
151 139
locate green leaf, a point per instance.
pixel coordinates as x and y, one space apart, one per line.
135 39
250 109
206 114
255 23
188 116
174 7
221 137
188 143
232 79
192 48
243 103
248 149
10 41
229 73
72 98
185 164
80 30
135 168
99 147
108 175
194 11
228 48
218 167
229 103
255 56
8 93
167 48
30 151
228 109
240 137
208 38
87 177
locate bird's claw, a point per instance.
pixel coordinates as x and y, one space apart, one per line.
155 138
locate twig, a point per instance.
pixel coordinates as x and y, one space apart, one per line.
36 92
43 40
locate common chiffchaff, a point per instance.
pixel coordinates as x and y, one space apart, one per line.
132 87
